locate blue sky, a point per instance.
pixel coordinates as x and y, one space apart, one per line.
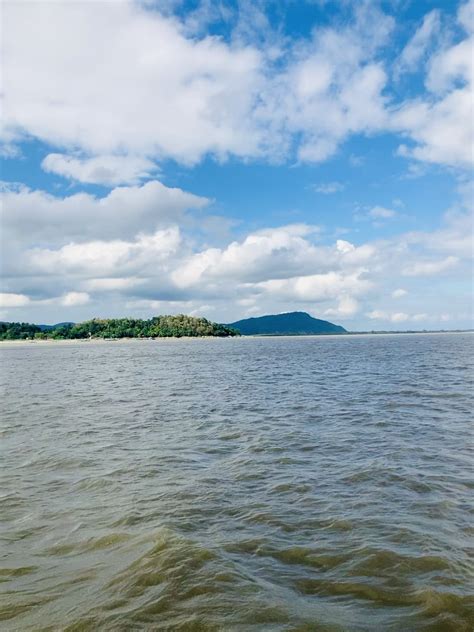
231 159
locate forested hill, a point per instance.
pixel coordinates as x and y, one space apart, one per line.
158 327
291 323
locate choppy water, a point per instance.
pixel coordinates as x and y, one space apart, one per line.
305 484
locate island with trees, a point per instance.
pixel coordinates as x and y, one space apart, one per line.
179 326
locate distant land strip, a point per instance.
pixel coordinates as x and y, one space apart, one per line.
182 326
179 326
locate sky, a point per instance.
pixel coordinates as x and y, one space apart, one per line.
234 159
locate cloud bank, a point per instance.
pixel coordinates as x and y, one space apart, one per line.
116 91
145 89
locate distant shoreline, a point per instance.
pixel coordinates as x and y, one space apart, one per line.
85 341
414 331
103 341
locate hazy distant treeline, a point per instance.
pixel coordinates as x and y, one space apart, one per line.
157 327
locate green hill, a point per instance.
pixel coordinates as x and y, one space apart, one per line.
291 323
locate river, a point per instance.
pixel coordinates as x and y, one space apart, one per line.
278 484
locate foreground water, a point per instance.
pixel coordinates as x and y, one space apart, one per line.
305 484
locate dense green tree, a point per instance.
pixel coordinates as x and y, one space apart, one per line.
158 327
18 331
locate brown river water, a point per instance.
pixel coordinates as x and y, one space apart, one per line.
277 484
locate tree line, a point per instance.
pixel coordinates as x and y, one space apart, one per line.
158 327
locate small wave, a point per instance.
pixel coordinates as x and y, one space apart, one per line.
311 557
379 562
107 541
8 573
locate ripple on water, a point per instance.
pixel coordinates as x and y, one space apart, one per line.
280 485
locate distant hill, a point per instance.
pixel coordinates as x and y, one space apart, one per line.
56 326
291 323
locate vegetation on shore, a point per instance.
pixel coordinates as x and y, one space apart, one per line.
157 327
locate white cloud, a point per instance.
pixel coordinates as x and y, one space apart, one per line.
417 47
9 299
377 214
466 16
344 247
456 235
277 252
449 66
328 187
429 268
443 131
152 91
107 257
185 96
399 293
441 125
333 89
346 308
396 317
380 212
123 212
355 255
106 170
318 287
269 255
268 270
73 299
160 91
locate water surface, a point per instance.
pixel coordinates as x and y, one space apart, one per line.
304 484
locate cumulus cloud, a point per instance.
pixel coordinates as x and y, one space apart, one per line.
318 287
333 86
139 85
268 255
441 125
106 170
123 212
347 307
106 257
189 95
278 252
149 87
269 270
